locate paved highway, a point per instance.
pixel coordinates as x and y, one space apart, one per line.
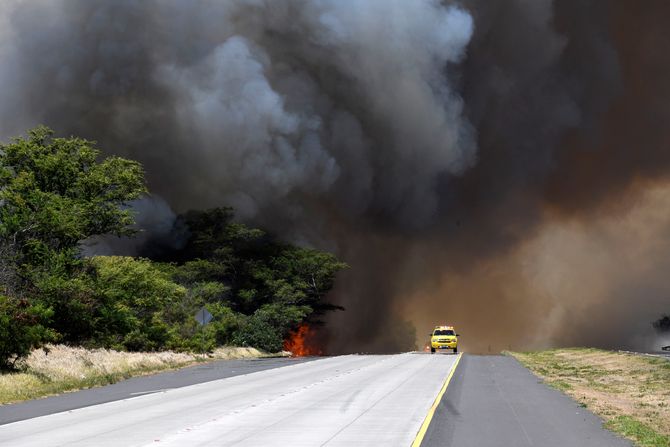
358 400
137 386
338 401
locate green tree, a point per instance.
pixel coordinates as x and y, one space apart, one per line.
55 193
297 276
253 267
137 304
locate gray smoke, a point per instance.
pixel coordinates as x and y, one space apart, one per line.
252 102
424 141
156 226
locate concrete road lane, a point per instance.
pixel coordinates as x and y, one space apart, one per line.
136 386
348 400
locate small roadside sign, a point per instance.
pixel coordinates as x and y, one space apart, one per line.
203 316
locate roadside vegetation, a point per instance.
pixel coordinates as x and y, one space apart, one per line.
630 392
58 368
56 193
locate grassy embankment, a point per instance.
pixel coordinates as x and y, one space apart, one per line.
630 392
62 368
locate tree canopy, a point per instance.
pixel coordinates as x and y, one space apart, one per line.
56 192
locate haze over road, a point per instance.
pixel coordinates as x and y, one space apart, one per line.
348 400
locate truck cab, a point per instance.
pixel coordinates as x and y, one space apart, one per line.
443 337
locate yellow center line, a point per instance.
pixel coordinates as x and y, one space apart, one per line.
429 417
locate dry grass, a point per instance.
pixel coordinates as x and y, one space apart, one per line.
61 368
630 392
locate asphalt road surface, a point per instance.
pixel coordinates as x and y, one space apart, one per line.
337 401
494 401
358 400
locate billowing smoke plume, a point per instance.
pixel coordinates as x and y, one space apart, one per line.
463 157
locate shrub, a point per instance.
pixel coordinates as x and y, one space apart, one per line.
22 329
268 326
133 295
259 334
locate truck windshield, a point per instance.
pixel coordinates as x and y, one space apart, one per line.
443 332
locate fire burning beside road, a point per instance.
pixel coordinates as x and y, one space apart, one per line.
507 161
300 342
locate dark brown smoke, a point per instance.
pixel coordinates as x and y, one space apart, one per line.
501 166
631 150
574 240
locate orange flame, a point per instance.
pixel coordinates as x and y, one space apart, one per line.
298 342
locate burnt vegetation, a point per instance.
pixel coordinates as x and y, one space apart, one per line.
56 193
